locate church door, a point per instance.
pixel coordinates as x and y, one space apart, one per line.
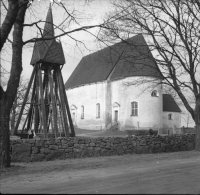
116 116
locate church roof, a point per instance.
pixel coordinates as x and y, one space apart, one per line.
127 58
169 104
48 50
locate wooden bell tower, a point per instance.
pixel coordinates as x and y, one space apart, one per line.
49 110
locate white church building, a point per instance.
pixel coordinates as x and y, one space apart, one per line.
121 85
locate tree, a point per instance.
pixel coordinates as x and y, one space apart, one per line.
18 99
172 32
16 13
18 103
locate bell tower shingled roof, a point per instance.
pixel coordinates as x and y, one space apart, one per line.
48 50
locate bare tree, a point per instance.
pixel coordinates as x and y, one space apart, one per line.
16 12
172 31
17 104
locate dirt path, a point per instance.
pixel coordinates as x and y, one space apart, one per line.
151 173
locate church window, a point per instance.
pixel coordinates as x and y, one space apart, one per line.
169 116
134 109
98 110
154 93
82 112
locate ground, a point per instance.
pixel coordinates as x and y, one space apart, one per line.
177 172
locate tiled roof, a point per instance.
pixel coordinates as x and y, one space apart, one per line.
124 59
48 50
169 104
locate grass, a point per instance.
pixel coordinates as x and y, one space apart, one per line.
99 133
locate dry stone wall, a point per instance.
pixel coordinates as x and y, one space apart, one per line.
32 150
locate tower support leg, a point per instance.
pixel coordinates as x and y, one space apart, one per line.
62 102
24 102
43 118
53 104
67 105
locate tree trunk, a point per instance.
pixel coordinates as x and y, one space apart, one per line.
13 116
13 8
7 98
4 132
197 123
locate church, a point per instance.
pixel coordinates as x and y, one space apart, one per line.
120 85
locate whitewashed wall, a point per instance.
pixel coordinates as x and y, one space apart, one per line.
122 93
125 91
174 123
88 96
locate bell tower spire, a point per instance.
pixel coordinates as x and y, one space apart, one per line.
48 31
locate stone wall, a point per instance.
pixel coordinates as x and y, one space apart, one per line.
32 150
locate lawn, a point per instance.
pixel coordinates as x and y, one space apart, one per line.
99 133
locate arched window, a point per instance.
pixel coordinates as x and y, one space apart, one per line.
82 112
154 93
134 109
98 110
169 116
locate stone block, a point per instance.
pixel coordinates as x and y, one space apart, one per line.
149 149
129 146
76 145
190 146
124 147
70 155
83 146
81 141
105 152
97 148
176 148
140 149
118 151
63 141
92 144
183 147
69 150
50 142
45 150
38 158
35 150
64 146
39 143
96 153
53 147
85 153
32 141
134 143
56 154
77 150
77 155
70 144
169 148
21 152
143 142
129 151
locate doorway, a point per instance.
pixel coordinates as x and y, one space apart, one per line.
116 116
